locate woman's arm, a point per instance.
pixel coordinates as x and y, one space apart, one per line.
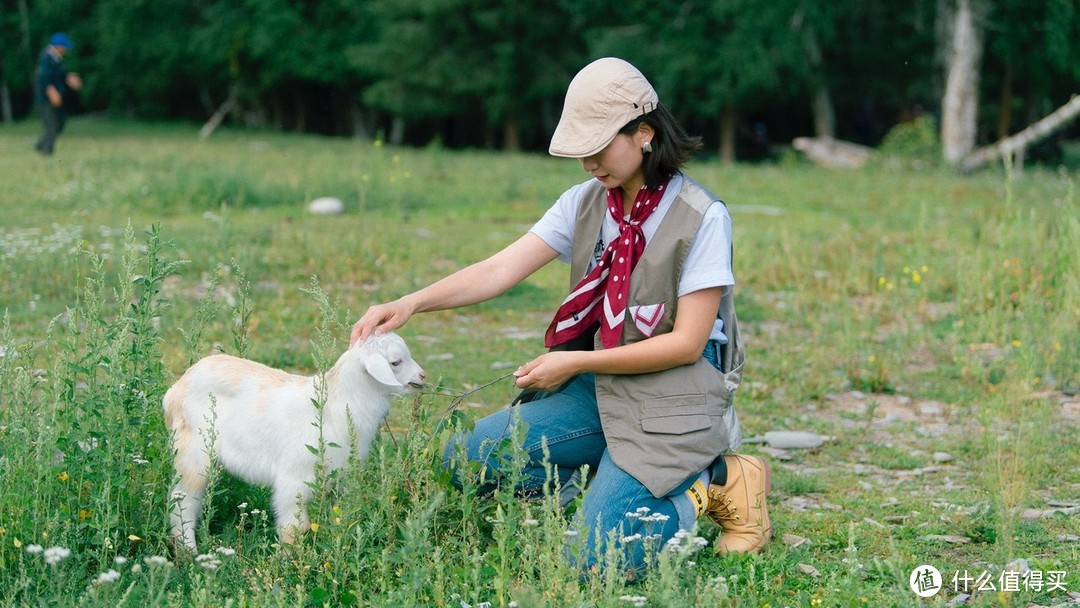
470 285
683 345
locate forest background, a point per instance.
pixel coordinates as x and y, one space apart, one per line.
745 74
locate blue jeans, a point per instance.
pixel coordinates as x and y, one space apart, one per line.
568 422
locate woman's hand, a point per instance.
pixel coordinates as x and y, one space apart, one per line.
381 318
549 370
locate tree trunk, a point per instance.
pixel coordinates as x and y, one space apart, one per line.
26 44
5 103
511 133
300 112
1005 112
359 128
1016 145
397 131
5 95
728 121
960 104
820 97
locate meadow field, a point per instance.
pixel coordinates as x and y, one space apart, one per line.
927 323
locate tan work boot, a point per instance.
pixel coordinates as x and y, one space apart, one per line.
739 506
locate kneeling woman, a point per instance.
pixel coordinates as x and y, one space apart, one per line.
644 352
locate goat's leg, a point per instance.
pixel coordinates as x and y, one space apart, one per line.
290 510
186 499
192 464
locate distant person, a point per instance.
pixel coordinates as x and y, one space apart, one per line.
53 86
645 351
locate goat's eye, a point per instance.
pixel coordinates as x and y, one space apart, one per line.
396 362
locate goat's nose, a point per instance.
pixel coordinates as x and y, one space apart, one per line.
423 376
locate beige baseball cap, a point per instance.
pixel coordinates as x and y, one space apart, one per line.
603 97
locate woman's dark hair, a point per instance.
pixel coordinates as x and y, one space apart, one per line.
671 146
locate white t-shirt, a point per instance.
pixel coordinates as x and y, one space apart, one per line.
708 263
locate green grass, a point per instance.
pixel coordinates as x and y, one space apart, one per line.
925 321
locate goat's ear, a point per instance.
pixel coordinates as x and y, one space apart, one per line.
380 370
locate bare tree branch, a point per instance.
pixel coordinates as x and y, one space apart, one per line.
1015 145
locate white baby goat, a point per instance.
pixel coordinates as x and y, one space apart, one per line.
262 420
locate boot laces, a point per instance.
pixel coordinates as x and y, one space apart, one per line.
720 508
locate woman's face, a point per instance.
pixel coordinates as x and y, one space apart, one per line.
619 164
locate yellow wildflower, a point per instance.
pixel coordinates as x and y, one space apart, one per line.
63 476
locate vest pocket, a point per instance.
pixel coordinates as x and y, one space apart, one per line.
676 415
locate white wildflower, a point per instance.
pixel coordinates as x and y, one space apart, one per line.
109 576
55 555
571 533
637 601
226 551
532 523
34 549
155 560
685 543
120 560
630 539
655 517
208 561
242 506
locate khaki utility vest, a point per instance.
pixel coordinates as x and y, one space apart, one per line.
662 427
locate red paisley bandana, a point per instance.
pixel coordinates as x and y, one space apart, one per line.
603 293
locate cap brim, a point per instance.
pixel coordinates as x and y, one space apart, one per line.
579 136
566 147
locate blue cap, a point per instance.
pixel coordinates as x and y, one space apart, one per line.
61 39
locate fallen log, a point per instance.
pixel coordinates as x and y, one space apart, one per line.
829 152
1014 146
221 113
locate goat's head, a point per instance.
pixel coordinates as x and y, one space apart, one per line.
387 360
